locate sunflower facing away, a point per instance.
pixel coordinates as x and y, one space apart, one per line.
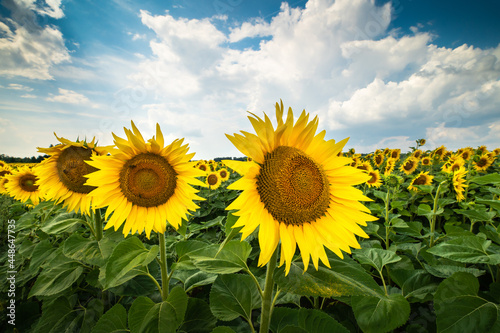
422 178
459 183
22 185
145 183
62 174
297 190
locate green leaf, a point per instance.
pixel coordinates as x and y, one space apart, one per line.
283 317
319 322
345 278
113 321
377 258
198 318
415 284
41 253
199 279
52 312
426 210
129 259
83 249
233 296
137 314
492 203
223 329
492 178
476 215
231 259
445 271
380 314
459 309
61 223
55 279
467 249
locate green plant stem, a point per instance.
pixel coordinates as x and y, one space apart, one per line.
98 225
383 282
434 209
255 280
155 282
265 316
163 266
387 228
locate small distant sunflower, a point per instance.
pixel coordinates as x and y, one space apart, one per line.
466 153
459 183
224 174
365 166
3 181
417 153
395 153
3 164
203 167
496 151
62 175
409 165
374 180
482 149
439 152
386 151
22 185
213 180
453 165
297 190
423 178
355 161
483 163
378 159
389 166
426 161
5 170
145 183
421 142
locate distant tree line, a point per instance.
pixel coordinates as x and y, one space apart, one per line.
32 159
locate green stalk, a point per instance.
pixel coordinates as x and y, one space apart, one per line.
98 225
387 228
433 219
265 316
165 280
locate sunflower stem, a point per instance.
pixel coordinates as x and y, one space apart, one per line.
387 228
265 316
163 266
434 209
98 224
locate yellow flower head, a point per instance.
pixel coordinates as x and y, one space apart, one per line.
297 190
62 175
459 183
224 174
22 185
409 165
145 183
374 180
378 159
395 153
484 162
213 180
422 178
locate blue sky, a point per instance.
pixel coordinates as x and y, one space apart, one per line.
382 73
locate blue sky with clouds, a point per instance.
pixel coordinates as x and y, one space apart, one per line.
383 73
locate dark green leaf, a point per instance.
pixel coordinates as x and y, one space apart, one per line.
113 321
467 249
380 314
476 215
231 259
61 223
445 271
83 249
55 279
319 322
198 318
459 309
377 258
52 312
492 178
233 296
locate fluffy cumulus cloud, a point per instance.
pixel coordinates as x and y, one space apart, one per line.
336 59
28 49
70 97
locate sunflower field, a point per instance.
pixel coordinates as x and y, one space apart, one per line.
302 235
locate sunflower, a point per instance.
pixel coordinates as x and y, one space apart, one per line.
145 183
5 170
453 164
422 178
417 153
482 149
458 183
297 190
3 181
466 153
224 174
22 185
395 153
439 152
496 151
389 166
378 159
203 167
409 165
483 162
386 151
365 166
374 180
213 180
421 142
62 174
426 161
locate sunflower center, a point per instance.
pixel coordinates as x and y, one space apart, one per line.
212 180
420 180
373 179
27 183
378 159
72 168
408 165
293 188
223 174
482 162
148 180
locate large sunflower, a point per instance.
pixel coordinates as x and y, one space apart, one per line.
297 190
484 162
62 174
22 185
145 183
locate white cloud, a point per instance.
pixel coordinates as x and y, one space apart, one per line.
29 96
70 97
16 86
27 49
